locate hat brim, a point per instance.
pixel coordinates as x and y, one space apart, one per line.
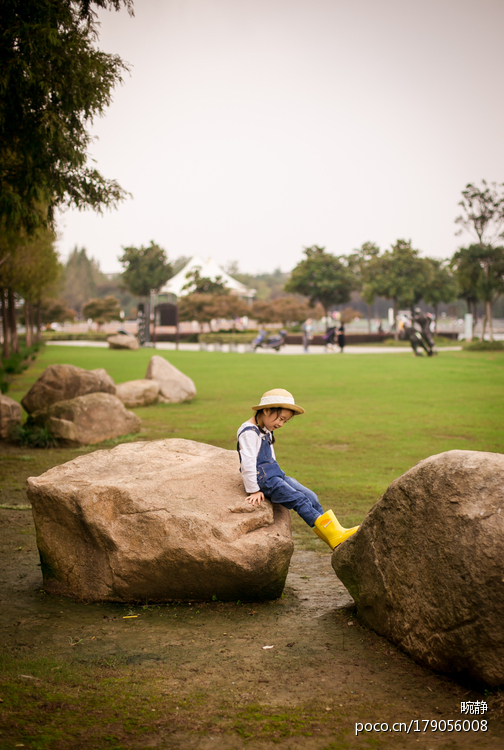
280 405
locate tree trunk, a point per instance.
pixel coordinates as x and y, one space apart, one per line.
488 317
396 327
369 318
484 328
28 323
12 320
475 312
5 326
38 313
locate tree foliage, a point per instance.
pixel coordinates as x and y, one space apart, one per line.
204 308
323 278
145 268
102 310
29 268
482 212
442 286
479 267
197 284
53 83
287 310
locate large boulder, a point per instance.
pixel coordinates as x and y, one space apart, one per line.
122 341
157 521
426 566
137 392
174 385
62 382
87 420
10 415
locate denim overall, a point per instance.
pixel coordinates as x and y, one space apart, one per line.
281 489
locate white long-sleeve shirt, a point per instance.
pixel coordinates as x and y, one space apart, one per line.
250 444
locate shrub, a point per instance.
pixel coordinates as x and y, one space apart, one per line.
33 437
485 346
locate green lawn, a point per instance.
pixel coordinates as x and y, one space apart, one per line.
369 418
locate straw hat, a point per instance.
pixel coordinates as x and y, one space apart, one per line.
278 398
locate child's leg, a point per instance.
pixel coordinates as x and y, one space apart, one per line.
278 490
312 497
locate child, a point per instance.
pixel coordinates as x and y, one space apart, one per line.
263 477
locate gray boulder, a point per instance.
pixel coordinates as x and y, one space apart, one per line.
174 385
63 382
122 341
10 415
138 392
426 566
157 521
87 420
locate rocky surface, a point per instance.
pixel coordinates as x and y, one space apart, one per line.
426 566
157 521
63 382
10 415
174 385
87 420
137 392
123 341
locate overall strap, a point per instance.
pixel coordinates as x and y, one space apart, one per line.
245 429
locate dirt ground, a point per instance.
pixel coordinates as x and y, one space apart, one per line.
299 672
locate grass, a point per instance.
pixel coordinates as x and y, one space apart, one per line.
369 418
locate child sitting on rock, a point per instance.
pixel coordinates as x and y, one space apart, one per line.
263 477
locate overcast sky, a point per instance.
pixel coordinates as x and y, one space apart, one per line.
251 128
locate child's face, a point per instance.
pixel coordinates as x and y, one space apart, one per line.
272 419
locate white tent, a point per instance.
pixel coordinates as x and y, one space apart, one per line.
208 269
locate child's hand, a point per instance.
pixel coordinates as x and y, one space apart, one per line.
255 498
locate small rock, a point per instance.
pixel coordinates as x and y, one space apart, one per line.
87 420
63 382
123 341
174 385
10 415
137 392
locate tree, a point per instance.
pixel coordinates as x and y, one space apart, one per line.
197 284
482 212
399 274
145 268
53 83
359 262
483 217
323 278
286 310
81 276
442 286
207 307
102 310
467 270
29 269
197 307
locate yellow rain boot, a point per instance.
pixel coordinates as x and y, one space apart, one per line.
329 529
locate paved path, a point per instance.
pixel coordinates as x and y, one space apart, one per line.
287 349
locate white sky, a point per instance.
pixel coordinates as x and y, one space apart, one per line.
251 128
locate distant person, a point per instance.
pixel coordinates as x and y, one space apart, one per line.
307 333
263 477
330 337
413 336
341 338
425 321
380 327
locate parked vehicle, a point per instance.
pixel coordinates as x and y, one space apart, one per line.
271 341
